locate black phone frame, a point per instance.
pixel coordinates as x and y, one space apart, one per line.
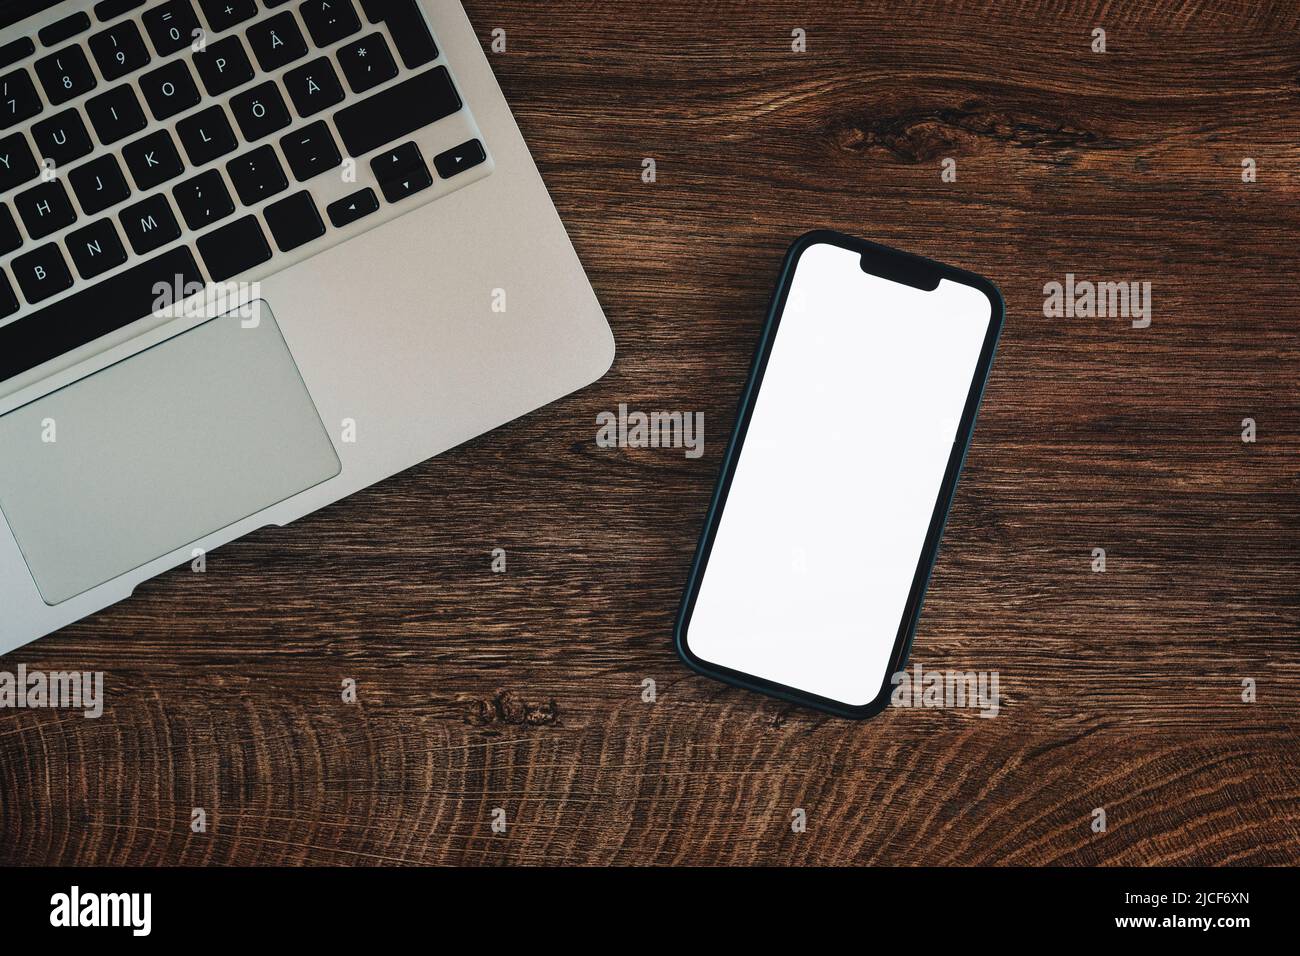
898 266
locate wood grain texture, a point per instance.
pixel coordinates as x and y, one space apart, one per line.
523 690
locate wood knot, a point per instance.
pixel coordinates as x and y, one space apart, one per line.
923 135
507 707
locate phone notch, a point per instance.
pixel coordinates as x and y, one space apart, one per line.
899 267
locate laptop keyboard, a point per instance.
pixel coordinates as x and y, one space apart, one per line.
218 141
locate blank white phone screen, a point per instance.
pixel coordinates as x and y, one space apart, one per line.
838 477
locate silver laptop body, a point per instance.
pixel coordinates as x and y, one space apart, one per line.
340 323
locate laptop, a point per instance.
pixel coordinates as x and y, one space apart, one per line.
255 255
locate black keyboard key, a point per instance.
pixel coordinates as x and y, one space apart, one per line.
10 237
62 138
41 273
16 50
203 200
17 164
257 175
366 62
459 158
149 224
277 42
294 221
95 249
233 249
107 10
401 172
115 114
397 111
8 301
206 135
119 50
65 75
224 14
92 312
260 111
64 29
409 30
45 208
223 65
313 87
310 151
329 21
172 26
18 98
152 160
99 184
169 89
349 209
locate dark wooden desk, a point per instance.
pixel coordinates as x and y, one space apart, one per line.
523 690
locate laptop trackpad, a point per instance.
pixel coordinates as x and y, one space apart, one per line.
160 450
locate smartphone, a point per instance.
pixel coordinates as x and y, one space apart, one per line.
808 579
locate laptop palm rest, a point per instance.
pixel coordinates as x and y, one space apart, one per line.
158 451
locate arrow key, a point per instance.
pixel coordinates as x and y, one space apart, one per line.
401 172
459 158
349 209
